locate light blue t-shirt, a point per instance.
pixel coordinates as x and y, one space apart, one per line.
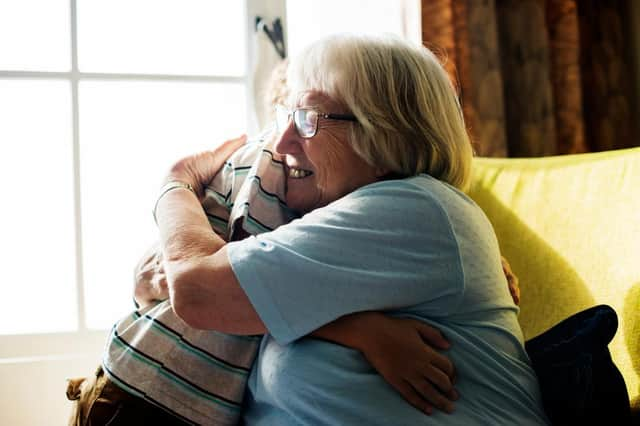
413 247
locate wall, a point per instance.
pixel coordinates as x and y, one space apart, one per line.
32 391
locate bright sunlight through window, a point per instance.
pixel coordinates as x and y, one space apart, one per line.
97 100
37 247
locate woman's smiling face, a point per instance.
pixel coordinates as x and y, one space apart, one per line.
323 168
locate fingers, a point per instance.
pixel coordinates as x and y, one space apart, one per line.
151 254
443 384
431 335
433 396
206 165
439 379
150 281
443 364
512 281
425 379
412 396
434 337
240 139
228 147
515 293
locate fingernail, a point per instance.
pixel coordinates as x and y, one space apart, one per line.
455 395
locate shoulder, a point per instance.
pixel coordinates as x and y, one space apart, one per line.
416 189
401 198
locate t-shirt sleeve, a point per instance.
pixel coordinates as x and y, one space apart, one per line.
385 247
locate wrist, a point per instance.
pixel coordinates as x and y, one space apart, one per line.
362 329
182 172
171 185
182 178
368 325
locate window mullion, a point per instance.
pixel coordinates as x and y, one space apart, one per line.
80 294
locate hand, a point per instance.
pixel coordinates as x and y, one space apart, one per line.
150 279
404 352
199 169
512 281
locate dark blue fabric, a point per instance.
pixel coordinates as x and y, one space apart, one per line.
580 384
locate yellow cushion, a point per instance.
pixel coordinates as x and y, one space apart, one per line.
570 227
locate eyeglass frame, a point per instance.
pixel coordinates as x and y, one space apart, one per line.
291 114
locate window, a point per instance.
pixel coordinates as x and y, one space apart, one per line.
37 218
98 99
308 20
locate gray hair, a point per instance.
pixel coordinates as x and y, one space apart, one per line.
409 117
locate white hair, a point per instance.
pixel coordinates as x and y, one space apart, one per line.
409 117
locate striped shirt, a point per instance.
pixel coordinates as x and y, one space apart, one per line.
200 375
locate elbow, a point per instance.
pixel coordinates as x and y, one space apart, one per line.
190 310
183 309
189 315
192 300
183 293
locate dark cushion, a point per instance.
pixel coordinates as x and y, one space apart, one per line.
579 382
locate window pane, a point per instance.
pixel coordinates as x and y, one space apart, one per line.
37 247
131 132
35 35
162 37
309 20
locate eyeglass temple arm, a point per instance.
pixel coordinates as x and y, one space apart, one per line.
345 117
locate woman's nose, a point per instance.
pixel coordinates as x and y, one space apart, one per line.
289 141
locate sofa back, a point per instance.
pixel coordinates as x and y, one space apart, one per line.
570 228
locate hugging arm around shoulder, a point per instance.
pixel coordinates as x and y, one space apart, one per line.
350 257
386 247
364 252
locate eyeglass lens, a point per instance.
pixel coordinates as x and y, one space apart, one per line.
305 120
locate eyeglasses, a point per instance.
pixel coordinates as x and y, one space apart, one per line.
306 119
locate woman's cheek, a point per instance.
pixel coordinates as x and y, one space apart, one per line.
328 170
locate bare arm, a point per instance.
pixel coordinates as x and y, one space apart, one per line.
205 293
150 283
203 289
404 352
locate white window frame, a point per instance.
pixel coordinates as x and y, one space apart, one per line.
42 361
26 348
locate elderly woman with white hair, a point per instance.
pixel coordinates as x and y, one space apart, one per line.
376 157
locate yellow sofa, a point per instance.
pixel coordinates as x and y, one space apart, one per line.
570 227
